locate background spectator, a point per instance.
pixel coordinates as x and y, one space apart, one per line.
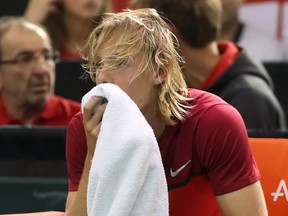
67 21
221 68
27 77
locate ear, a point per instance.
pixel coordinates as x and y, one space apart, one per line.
160 77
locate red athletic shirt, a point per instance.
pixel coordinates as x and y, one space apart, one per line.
208 154
58 112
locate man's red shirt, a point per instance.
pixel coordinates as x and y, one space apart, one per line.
57 112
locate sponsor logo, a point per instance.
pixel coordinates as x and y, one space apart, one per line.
176 172
281 191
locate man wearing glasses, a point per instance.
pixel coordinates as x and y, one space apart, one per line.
27 76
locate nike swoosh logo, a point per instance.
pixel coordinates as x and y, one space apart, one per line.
176 172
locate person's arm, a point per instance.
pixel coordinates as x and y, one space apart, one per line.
37 11
76 203
248 201
226 154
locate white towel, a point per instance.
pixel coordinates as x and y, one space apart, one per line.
127 175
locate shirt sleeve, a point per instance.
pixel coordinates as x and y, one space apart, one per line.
224 150
76 150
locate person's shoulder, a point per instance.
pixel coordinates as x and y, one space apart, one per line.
245 73
204 99
76 123
77 118
209 107
55 99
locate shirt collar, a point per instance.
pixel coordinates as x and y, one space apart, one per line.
228 51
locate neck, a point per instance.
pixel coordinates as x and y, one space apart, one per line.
158 125
77 30
154 117
24 112
230 30
199 62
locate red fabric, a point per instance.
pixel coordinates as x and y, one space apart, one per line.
118 5
76 150
218 152
57 112
67 54
222 155
229 53
182 199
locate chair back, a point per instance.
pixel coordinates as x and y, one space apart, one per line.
71 80
271 155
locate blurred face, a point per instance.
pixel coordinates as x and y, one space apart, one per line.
28 75
230 10
141 90
84 8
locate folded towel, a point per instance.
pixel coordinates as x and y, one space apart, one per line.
127 175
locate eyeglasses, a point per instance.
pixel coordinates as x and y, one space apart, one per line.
29 58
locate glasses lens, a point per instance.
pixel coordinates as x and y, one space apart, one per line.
56 56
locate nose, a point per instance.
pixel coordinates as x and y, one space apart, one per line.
40 66
103 76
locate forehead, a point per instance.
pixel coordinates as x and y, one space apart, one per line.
24 38
118 45
115 54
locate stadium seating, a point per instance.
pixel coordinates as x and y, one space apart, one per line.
271 155
33 169
12 7
71 81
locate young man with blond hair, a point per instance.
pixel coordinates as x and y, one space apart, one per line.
209 168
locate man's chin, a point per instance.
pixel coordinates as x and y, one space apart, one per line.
39 100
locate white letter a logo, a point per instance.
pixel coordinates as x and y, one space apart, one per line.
281 186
